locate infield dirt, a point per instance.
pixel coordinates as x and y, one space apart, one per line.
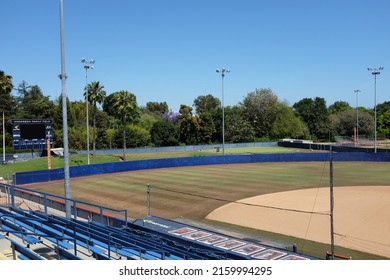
361 216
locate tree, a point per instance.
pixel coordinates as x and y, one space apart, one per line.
344 123
382 108
110 134
366 123
238 129
260 110
315 114
7 101
206 127
78 113
125 104
339 107
384 124
159 108
288 125
164 133
96 95
171 116
217 120
188 126
76 138
137 136
206 103
71 114
108 105
33 104
6 85
148 119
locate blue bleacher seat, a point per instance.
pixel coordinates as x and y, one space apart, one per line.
19 232
102 241
65 255
25 253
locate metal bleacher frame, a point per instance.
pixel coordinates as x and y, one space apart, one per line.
55 203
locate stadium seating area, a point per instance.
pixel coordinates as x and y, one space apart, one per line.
34 235
43 233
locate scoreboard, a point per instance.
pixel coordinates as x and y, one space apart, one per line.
31 134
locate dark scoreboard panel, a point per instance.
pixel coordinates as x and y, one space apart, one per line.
31 134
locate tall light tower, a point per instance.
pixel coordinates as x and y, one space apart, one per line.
223 71
3 138
357 115
64 116
87 65
375 72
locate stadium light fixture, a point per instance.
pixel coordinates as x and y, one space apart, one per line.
375 72
87 65
223 71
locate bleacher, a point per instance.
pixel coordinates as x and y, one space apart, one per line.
29 231
40 235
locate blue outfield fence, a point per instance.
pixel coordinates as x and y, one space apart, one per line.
22 178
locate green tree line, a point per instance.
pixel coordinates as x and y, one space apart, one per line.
119 122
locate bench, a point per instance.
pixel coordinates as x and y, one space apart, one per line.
25 253
63 244
97 254
129 254
65 255
163 255
23 257
19 232
37 229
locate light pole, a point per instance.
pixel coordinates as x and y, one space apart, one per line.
375 72
87 65
3 139
223 71
357 115
64 117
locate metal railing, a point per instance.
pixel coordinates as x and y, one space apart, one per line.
16 196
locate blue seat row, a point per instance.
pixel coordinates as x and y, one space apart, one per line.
24 253
102 242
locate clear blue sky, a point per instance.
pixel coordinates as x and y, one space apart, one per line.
169 50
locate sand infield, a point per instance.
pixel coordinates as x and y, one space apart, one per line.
361 216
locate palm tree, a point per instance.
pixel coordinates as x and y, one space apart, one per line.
96 94
125 104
